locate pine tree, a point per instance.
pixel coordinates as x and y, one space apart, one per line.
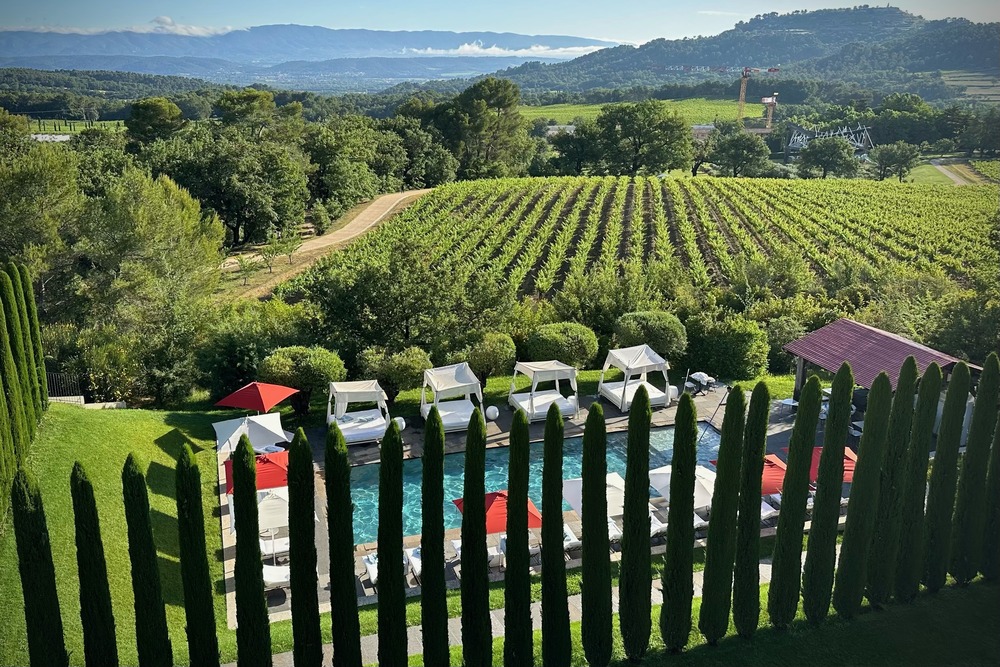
307 641
556 644
596 593
517 646
941 492
151 637
678 568
13 396
36 334
970 505
340 522
477 630
433 599
96 616
885 538
786 563
391 578
821 550
721 553
746 570
990 563
852 568
16 340
199 613
29 346
46 647
636 579
909 565
253 628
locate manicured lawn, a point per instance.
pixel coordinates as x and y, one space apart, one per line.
696 110
928 174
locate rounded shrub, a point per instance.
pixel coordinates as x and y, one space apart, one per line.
735 348
395 372
494 354
659 329
569 342
308 369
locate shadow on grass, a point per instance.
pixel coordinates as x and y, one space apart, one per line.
165 533
170 581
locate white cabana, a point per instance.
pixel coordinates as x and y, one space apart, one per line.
636 363
704 484
615 489
536 402
451 382
262 430
358 426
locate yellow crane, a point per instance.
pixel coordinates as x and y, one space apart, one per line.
744 79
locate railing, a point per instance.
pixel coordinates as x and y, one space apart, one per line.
63 384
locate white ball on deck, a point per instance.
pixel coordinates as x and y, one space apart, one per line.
400 422
492 412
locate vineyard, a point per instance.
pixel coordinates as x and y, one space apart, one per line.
532 234
988 168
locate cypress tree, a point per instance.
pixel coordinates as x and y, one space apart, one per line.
678 569
391 578
253 629
636 579
151 637
970 505
46 647
885 539
719 558
821 550
596 584
517 645
786 563
433 600
203 644
16 338
909 565
340 521
852 568
557 648
990 563
36 334
96 616
477 630
11 385
941 492
29 346
746 570
307 649
8 455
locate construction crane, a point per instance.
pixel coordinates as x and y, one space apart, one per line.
744 79
770 103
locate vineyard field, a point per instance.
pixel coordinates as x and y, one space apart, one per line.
988 168
696 111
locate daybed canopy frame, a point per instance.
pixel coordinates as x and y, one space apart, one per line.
637 361
545 371
364 391
450 382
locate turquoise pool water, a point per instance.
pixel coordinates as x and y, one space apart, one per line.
364 478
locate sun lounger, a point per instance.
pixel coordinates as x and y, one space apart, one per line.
570 541
361 426
276 576
457 546
614 532
494 558
657 528
415 561
271 548
371 567
700 522
766 511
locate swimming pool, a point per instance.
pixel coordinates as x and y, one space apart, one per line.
364 478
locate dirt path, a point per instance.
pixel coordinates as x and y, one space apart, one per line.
958 171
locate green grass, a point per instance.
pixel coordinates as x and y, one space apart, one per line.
697 111
58 126
928 174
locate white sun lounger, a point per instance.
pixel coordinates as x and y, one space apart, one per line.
533 549
276 576
455 414
614 532
766 511
270 548
570 541
657 528
361 426
371 566
699 522
415 561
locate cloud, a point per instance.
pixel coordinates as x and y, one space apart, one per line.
535 51
719 12
163 25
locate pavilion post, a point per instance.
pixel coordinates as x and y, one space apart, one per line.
800 376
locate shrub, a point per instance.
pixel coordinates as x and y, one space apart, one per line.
602 294
433 601
990 564
661 330
308 369
781 331
734 348
391 578
568 342
517 646
636 577
346 630
494 354
477 629
556 644
395 372
320 218
308 642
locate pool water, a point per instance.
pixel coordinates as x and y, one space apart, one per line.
364 478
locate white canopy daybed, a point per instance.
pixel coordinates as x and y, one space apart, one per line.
635 362
535 402
263 431
358 426
451 382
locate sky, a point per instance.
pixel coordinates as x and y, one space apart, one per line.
634 21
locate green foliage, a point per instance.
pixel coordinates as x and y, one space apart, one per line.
734 348
36 334
27 332
8 454
493 354
340 520
737 151
247 267
269 252
596 600
391 577
636 577
556 643
786 566
606 291
433 601
746 569
308 369
661 330
970 516
517 647
253 631
721 552
203 642
151 637
308 649
643 137
821 550
15 336
153 118
477 633
568 342
941 489
487 129
10 384
852 568
395 372
990 563
829 155
895 159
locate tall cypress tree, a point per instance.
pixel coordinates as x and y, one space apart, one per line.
821 550
596 585
557 648
970 506
885 538
36 334
849 585
151 637
746 569
199 613
391 578
340 521
16 338
636 579
517 646
678 568
909 565
990 561
10 380
786 564
8 455
719 558
46 646
307 641
941 493
433 600
96 616
477 630
29 346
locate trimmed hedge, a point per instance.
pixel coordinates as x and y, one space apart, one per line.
568 342
308 369
735 348
636 576
493 354
596 566
659 329
557 647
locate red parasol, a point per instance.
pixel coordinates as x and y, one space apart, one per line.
773 475
257 396
850 458
272 471
496 512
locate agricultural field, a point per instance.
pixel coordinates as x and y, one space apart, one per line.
59 126
697 111
982 86
988 168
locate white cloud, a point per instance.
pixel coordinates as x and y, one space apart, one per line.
536 51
